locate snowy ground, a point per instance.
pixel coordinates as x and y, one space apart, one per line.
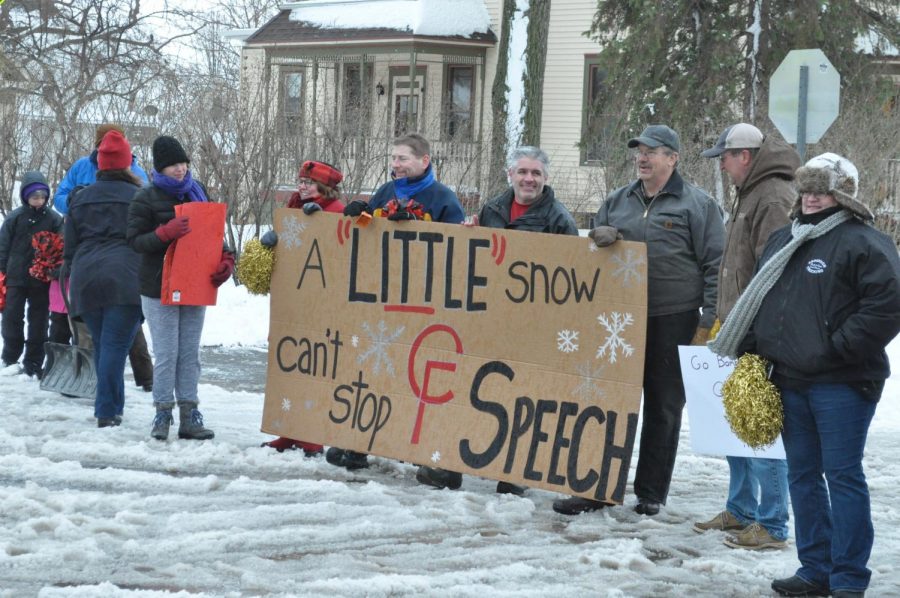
110 512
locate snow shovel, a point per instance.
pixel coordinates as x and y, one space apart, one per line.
70 368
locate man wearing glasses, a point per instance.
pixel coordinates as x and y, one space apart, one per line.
684 232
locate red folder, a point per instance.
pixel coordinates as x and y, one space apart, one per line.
191 260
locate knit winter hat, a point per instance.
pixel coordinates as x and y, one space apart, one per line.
321 172
32 181
101 131
833 175
167 151
113 153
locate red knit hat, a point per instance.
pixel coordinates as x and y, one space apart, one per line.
321 172
114 153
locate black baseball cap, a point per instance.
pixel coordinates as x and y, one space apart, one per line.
655 136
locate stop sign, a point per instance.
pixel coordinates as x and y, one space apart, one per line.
823 94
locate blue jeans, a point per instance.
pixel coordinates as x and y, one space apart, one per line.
112 330
825 429
175 330
758 491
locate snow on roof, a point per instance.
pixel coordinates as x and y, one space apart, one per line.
421 17
868 42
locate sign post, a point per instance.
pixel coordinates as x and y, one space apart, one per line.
804 97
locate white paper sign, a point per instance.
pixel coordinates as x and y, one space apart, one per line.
704 373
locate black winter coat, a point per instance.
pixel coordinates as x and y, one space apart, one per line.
103 268
834 309
150 208
16 252
545 216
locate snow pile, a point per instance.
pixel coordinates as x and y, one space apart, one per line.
421 17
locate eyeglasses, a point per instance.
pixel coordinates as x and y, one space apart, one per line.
38 195
635 154
306 182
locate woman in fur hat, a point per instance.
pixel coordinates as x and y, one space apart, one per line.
822 307
103 270
175 329
317 189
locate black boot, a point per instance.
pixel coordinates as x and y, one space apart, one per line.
348 459
576 505
797 586
438 478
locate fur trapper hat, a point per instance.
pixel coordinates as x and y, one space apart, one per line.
101 131
836 176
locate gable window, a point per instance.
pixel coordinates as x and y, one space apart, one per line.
458 102
292 84
595 124
356 98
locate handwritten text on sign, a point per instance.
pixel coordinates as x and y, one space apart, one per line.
509 355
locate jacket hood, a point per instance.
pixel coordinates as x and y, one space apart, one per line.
774 158
33 179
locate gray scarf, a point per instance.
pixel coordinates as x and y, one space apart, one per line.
741 317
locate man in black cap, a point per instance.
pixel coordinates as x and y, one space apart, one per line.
684 232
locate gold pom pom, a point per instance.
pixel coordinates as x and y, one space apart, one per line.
752 403
254 269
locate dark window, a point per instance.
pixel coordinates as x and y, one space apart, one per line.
406 112
292 83
596 124
458 102
357 98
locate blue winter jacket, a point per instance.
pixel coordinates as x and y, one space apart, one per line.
84 172
437 199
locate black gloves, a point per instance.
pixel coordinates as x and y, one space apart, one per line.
311 208
356 207
402 215
270 239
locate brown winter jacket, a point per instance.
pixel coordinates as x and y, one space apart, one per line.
763 205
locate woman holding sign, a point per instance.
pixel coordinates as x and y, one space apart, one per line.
317 189
175 329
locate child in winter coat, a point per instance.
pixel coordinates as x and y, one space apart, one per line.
16 258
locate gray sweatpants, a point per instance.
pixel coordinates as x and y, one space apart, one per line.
175 331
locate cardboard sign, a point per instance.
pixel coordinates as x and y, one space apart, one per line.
191 260
509 355
704 373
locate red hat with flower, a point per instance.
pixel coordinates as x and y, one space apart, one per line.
321 172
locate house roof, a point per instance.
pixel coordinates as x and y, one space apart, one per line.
282 30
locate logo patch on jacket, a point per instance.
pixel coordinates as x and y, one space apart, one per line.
816 266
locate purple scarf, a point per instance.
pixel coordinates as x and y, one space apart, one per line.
185 187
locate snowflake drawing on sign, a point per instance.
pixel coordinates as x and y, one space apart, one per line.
309 404
435 456
614 344
285 404
381 340
290 236
588 390
628 267
593 247
277 425
567 340
354 340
